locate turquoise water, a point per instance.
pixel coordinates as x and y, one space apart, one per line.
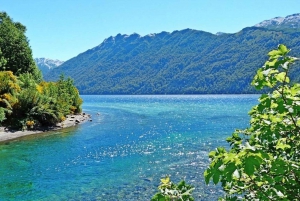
124 151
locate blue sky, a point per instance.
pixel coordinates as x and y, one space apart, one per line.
61 29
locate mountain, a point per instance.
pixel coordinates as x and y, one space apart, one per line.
288 22
182 62
45 65
220 33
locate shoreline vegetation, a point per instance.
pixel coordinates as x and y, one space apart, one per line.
27 101
70 121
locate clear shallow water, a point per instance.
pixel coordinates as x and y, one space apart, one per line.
124 151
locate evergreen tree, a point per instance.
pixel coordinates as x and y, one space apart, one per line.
15 52
25 100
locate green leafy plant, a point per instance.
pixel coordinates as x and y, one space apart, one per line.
2 115
16 54
25 100
264 160
168 191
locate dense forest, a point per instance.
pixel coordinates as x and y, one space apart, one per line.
26 100
181 62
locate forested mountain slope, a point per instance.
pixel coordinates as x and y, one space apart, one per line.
181 62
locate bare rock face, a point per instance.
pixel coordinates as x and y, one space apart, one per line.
46 65
290 21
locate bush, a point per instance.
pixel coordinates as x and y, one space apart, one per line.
2 115
264 160
168 191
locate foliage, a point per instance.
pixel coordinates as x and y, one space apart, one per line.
25 100
264 161
181 62
2 115
2 61
15 55
8 89
168 191
46 103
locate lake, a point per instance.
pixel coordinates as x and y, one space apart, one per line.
125 150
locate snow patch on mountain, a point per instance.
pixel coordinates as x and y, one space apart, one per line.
50 63
291 21
46 65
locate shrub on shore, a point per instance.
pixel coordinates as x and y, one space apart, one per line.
24 96
263 162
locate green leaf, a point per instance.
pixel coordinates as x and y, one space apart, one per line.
271 63
216 177
212 154
279 166
274 53
283 49
281 76
207 175
230 168
161 198
221 150
287 80
250 163
281 144
165 180
260 183
249 168
281 106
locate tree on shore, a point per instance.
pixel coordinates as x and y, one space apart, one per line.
264 160
26 101
15 52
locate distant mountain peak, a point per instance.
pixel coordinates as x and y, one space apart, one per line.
290 21
132 35
151 35
49 62
45 65
119 36
220 33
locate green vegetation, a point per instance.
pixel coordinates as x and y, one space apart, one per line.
181 62
264 162
26 101
168 191
15 52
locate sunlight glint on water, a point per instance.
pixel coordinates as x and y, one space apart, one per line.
124 151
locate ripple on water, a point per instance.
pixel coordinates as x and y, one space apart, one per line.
124 151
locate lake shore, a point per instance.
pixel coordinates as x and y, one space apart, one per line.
71 120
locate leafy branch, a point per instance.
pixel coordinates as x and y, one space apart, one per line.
168 191
266 165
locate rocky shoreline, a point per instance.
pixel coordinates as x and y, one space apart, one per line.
71 120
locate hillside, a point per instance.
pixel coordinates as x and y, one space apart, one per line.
181 62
